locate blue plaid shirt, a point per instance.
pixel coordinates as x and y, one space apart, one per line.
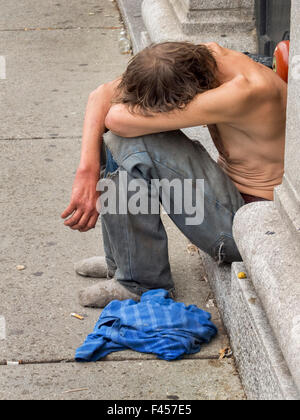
157 324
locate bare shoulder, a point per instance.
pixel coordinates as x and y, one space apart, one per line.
231 97
214 46
241 85
251 92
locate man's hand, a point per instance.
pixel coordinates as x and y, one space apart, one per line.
82 214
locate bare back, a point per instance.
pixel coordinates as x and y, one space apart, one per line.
251 147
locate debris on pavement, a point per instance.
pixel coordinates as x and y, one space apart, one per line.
210 303
8 363
21 267
77 316
75 390
192 249
225 353
242 275
124 43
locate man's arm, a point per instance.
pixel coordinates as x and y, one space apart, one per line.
216 106
82 213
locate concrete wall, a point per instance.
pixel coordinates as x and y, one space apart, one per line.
293 128
288 195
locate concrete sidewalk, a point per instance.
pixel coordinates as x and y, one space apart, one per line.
56 53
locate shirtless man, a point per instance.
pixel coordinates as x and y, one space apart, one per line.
165 88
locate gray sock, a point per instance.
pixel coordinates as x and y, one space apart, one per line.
102 293
93 267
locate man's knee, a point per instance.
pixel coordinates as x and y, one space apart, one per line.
131 154
123 148
112 142
152 144
139 155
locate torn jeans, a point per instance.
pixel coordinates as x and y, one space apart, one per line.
136 245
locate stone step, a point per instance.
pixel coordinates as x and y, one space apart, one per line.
261 364
163 25
272 259
287 203
132 16
221 19
196 5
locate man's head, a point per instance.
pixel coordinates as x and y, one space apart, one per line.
167 76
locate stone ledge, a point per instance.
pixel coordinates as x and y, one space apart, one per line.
286 202
259 359
273 262
221 18
132 16
214 4
163 25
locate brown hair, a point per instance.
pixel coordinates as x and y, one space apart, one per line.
167 76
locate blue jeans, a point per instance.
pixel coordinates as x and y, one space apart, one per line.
136 246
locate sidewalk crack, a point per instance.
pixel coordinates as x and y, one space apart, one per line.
67 28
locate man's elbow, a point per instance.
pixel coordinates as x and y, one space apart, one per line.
114 123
